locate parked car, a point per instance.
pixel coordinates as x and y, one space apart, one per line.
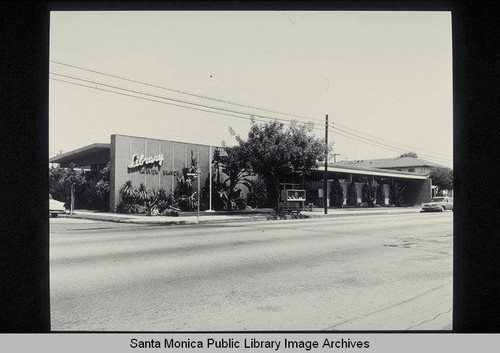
55 207
440 204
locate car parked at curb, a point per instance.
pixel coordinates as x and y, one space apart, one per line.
440 204
56 207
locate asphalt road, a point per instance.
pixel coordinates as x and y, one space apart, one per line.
389 272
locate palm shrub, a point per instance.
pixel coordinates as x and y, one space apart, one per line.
336 195
352 195
127 208
380 194
159 202
142 194
128 199
185 194
127 191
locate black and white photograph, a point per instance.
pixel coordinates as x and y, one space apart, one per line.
251 171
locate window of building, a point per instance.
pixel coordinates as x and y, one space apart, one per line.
411 170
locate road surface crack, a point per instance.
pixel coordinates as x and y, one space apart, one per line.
426 321
386 308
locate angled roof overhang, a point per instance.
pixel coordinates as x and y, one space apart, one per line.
389 163
97 153
374 171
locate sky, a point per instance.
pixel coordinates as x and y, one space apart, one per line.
383 78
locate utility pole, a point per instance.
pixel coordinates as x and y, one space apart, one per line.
325 198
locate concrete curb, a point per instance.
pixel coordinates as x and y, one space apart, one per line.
231 219
361 213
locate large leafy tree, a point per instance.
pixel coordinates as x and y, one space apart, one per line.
442 177
271 150
62 180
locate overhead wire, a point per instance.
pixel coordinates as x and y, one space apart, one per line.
168 98
395 143
393 148
146 99
178 91
252 116
228 102
242 105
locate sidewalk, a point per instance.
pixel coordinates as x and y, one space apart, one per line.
225 217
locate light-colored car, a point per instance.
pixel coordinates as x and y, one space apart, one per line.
55 207
441 203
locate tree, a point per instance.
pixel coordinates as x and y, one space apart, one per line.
232 173
396 194
409 154
352 195
63 180
56 187
273 151
336 194
380 194
258 195
368 193
442 177
95 190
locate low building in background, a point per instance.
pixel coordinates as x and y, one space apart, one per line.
400 164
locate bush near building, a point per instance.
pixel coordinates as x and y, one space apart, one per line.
336 195
396 194
368 193
142 200
352 195
380 195
91 187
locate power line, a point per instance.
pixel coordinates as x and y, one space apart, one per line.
168 98
395 143
179 91
241 105
383 147
393 148
146 99
250 115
